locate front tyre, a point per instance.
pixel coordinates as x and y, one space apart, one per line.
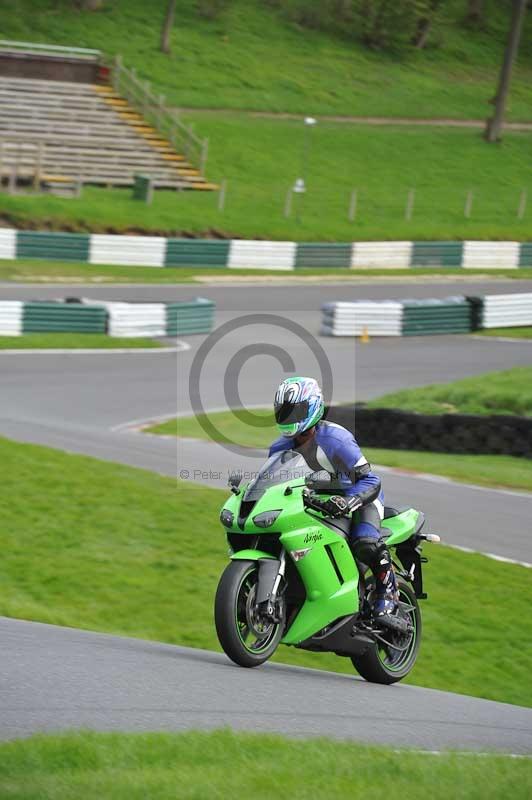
246 637
392 658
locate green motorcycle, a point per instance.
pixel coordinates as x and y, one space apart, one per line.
293 580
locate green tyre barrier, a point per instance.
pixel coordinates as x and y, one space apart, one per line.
63 246
311 254
196 253
437 254
63 318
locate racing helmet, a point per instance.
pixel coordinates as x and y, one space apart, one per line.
298 405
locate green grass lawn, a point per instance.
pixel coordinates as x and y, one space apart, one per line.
44 271
507 471
106 547
507 392
252 58
512 333
261 158
72 341
221 764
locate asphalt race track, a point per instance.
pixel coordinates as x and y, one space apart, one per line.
52 678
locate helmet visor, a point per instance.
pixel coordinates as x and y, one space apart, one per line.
289 413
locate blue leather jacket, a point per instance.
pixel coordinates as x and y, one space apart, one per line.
335 449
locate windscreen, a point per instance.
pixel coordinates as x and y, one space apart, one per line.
279 468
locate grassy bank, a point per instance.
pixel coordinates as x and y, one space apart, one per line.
229 62
217 765
507 392
507 471
73 341
139 554
261 158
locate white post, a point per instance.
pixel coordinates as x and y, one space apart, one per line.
410 204
221 195
38 166
353 206
204 156
288 203
522 204
161 112
468 204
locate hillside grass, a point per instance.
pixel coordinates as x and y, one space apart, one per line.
506 392
253 58
486 470
74 341
261 158
218 764
106 547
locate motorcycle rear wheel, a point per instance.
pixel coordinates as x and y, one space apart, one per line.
384 664
247 639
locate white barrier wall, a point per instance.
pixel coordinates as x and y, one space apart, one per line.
491 255
507 310
8 243
353 319
381 254
262 255
11 312
133 320
147 251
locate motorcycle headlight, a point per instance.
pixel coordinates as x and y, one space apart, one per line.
266 518
226 518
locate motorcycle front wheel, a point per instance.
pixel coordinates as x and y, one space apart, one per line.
394 656
248 639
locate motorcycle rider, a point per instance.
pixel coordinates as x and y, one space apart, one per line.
299 409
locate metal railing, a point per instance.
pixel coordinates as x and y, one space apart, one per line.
126 83
34 48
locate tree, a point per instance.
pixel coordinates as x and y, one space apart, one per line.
475 14
495 123
167 26
425 22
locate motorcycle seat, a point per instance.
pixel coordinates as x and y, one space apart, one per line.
390 511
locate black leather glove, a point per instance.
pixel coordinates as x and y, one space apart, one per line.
337 506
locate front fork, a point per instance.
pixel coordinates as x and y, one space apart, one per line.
271 573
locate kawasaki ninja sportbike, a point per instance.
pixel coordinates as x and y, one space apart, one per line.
293 579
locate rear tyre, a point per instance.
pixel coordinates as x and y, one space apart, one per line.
248 639
392 658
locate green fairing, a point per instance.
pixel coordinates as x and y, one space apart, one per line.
327 599
250 555
402 526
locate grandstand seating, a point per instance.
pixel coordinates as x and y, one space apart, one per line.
56 133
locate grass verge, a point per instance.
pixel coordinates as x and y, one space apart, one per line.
230 61
106 547
43 271
73 341
508 333
261 158
506 392
506 471
217 765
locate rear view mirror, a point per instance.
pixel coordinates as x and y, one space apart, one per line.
234 483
